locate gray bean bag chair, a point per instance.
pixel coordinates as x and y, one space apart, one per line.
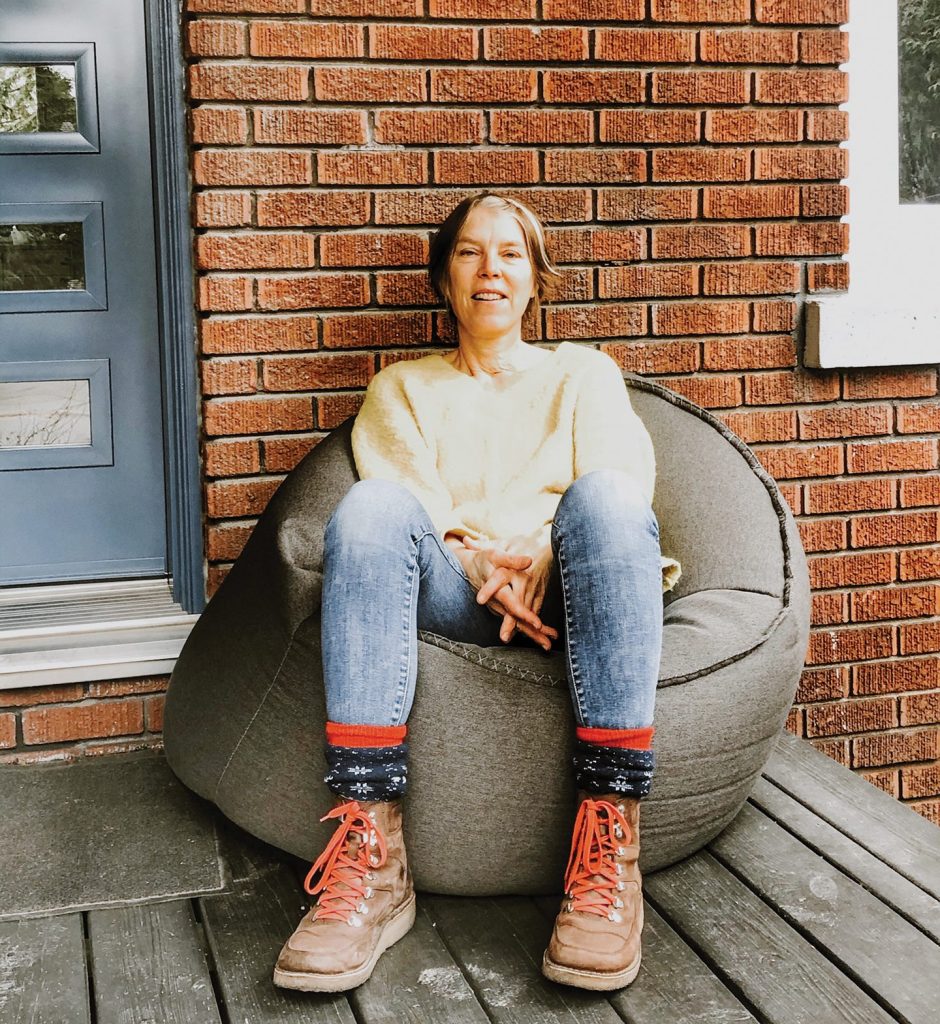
491 797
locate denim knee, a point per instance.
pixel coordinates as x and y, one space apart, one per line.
606 497
373 508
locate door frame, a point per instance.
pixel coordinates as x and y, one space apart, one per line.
176 301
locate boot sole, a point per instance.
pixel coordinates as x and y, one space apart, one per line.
396 928
598 981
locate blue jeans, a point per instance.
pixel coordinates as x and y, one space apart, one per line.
387 574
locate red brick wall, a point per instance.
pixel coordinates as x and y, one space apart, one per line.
686 157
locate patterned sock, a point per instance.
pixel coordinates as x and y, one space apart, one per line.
614 760
366 762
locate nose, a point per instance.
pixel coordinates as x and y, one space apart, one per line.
489 263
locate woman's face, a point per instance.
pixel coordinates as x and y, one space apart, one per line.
490 259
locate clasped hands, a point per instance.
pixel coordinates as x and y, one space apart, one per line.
511 585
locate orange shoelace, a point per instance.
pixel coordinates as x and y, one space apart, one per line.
592 878
340 887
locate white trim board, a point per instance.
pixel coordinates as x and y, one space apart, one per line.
890 315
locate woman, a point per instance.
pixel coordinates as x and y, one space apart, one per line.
497 482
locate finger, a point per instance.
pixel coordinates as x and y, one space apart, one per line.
511 600
494 584
499 557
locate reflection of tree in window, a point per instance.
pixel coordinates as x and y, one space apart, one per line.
919 98
41 257
43 413
37 98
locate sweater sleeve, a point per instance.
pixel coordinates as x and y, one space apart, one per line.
608 434
388 444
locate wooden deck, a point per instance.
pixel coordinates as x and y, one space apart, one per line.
820 903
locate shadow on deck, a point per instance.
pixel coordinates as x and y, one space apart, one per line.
125 898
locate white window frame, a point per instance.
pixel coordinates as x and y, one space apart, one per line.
890 315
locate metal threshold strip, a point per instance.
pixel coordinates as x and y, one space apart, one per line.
77 632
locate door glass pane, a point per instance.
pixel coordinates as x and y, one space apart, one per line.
44 413
42 257
919 101
37 98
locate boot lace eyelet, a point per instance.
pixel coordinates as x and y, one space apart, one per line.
614 916
369 892
355 922
362 908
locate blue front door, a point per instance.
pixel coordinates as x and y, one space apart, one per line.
82 478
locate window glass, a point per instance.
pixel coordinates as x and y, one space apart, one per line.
41 257
919 100
44 413
38 98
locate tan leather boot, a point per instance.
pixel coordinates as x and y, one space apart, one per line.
366 901
596 940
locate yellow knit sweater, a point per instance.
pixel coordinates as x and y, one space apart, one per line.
493 461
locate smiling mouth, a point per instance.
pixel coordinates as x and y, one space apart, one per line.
488 298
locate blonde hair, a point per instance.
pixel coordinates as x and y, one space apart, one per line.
547 275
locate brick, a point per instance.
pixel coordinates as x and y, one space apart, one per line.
774 315
575 245
545 45
404 288
897 676
492 166
919 418
823 534
895 748
372 168
829 199
229 376
755 126
373 249
56 724
895 529
256 249
247 6
153 709
429 127
366 8
369 85
593 10
219 126
223 209
232 458
747 46
794 462
589 166
832 646
226 336
923 781
764 278
816 162
794 722
802 12
281 454
313 291
796 239
548 126
892 456
824 46
235 499
920 563
592 87
890 383
332 410
750 202
920 490
306 40
225 294
212 37
894 603
126 687
824 125
312 208
656 357
644 204
646 280
430 207
644 45
602 320
822 277
838 750
26 696
422 42
700 241
483 85
921 709
845 421
699 318
748 352
885 780
801 86
726 11
477 10
791 388
823 684
828 609
317 372
929 809
866 715
850 495
256 415
7 731
248 82
376 330
681 164
296 126
711 392
251 167
852 570
920 638
700 87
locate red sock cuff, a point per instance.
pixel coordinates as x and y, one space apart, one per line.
637 739
339 734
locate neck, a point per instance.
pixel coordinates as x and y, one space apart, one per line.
492 356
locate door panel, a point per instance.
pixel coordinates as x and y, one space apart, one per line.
82 477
